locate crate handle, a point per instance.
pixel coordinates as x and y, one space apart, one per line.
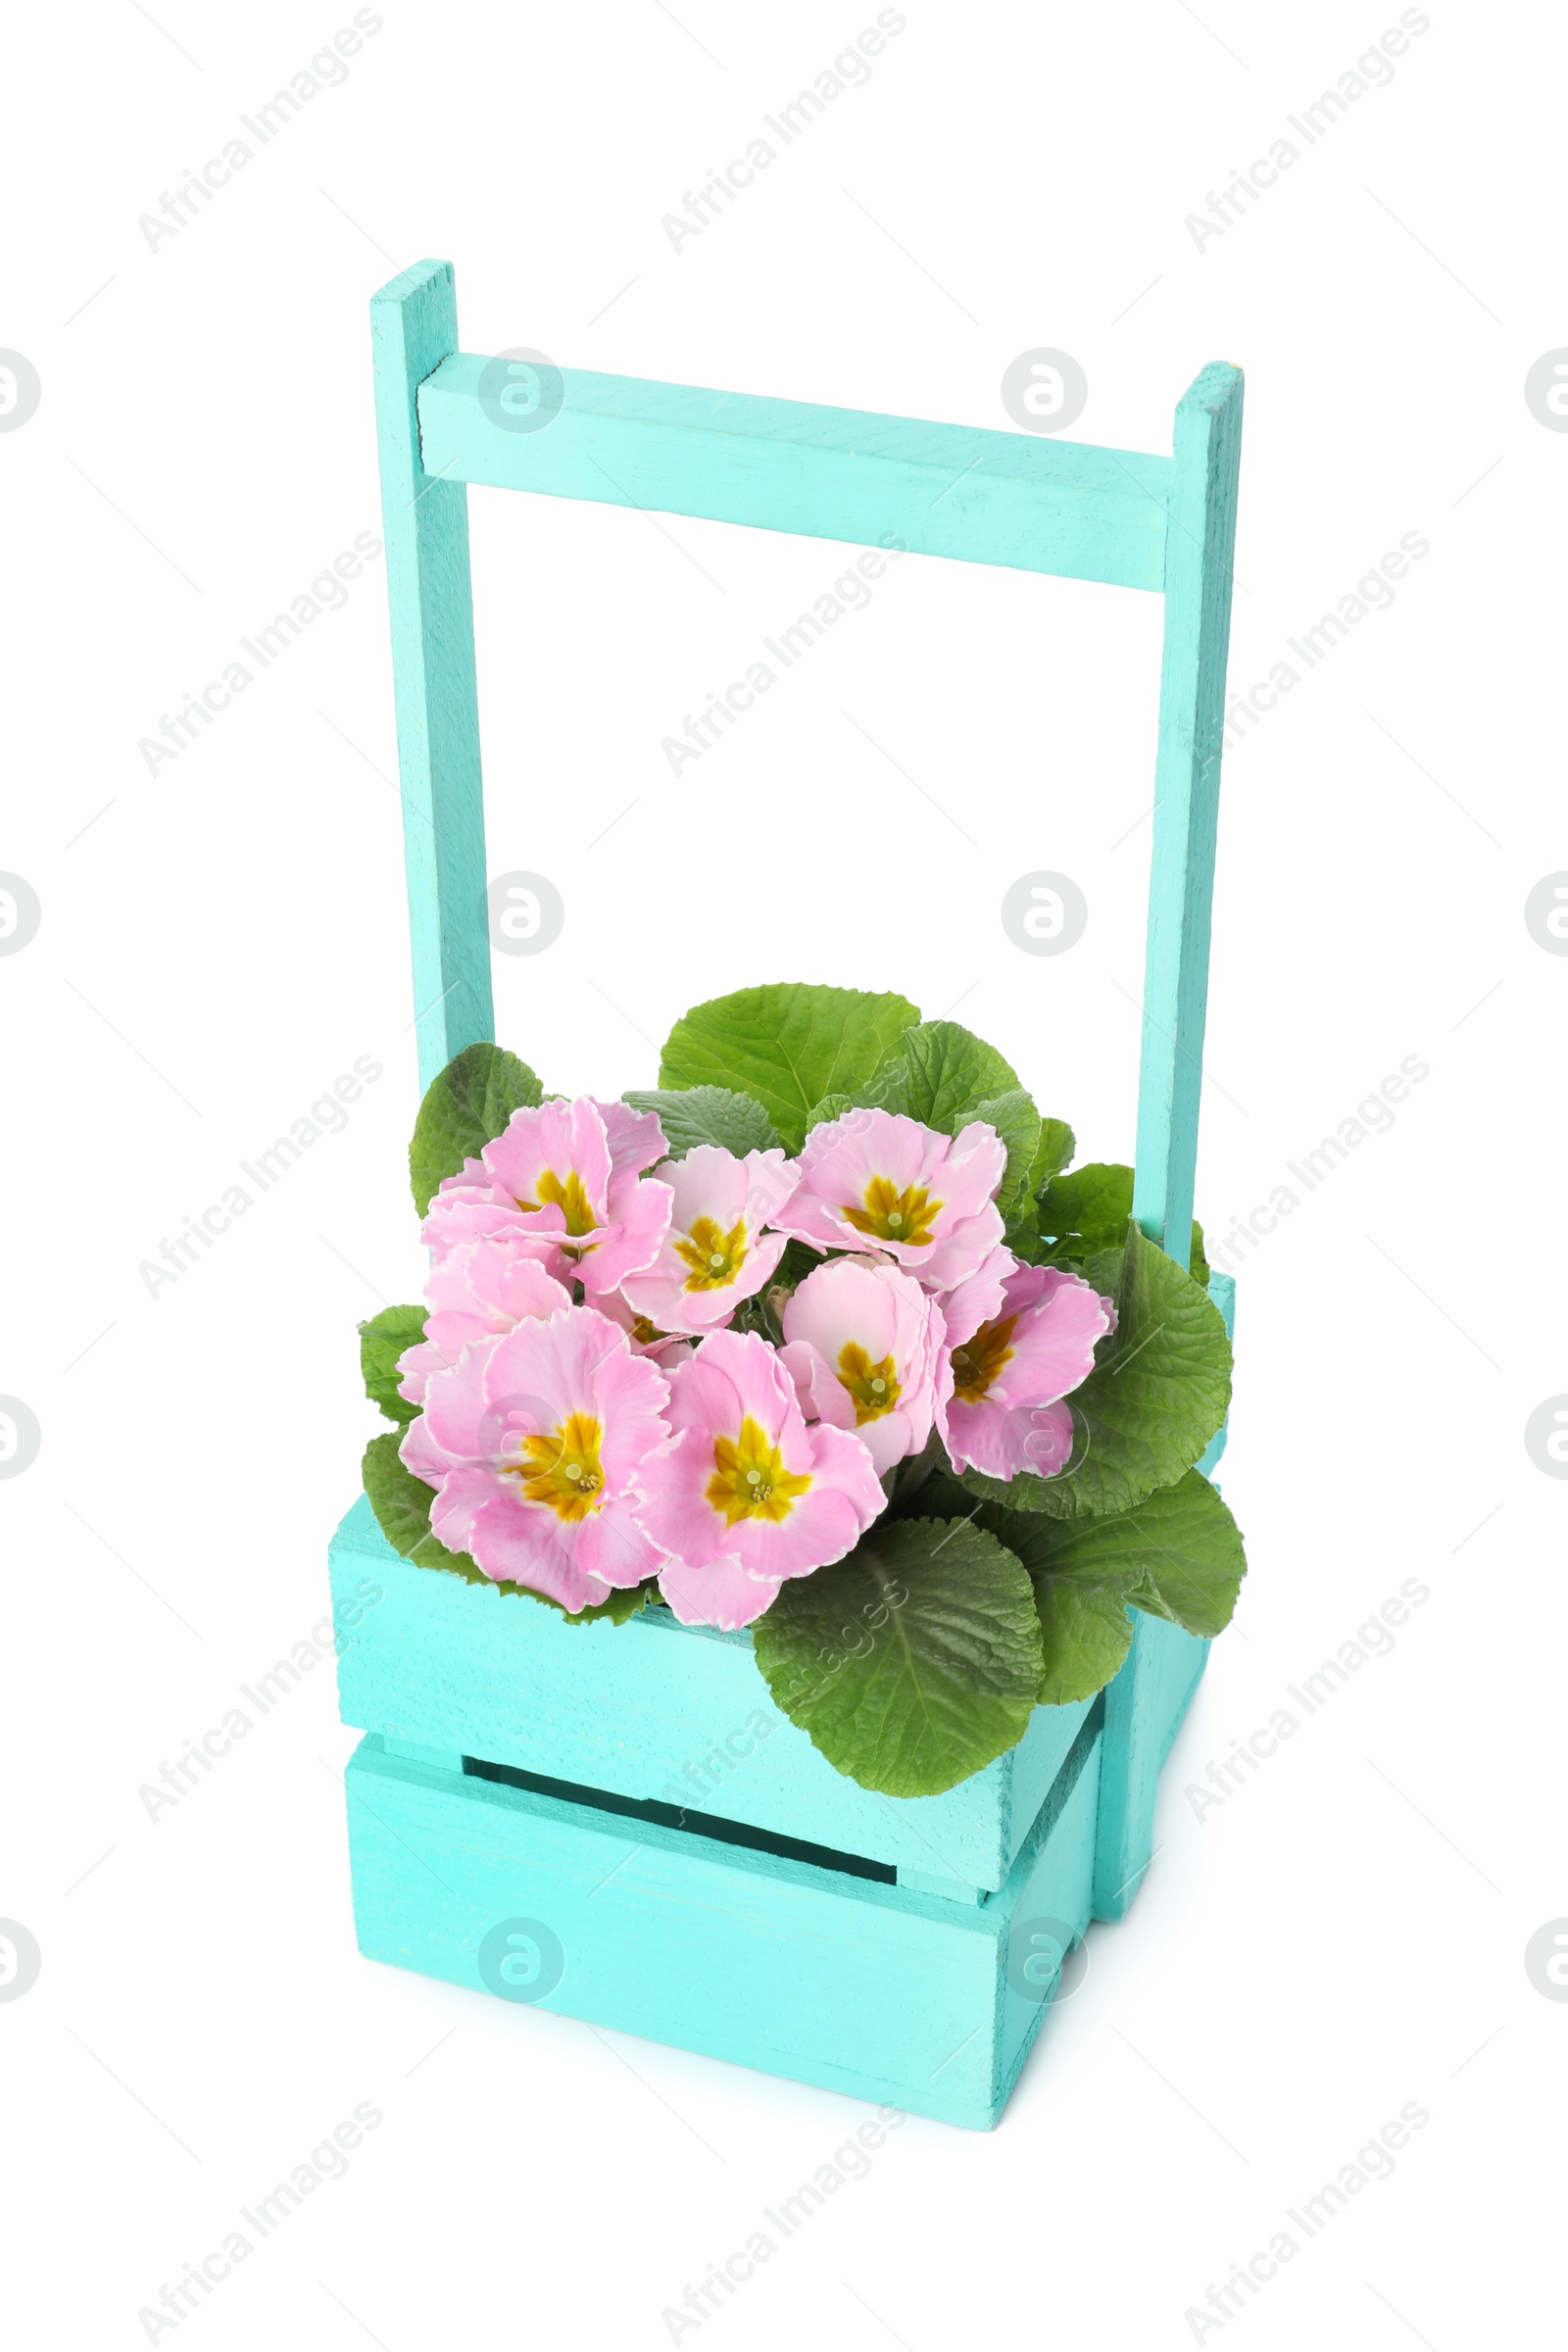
1134 521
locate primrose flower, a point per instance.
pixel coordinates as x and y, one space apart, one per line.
999 1402
862 1341
535 1442
715 1253
479 1291
977 1298
665 1348
564 1183
876 1180
745 1495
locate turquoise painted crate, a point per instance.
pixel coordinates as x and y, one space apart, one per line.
615 1822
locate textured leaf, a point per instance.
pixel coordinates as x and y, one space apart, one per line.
707 1114
911 1664
1177 1554
831 1106
1017 1122
1089 1211
1055 1150
402 1506
463 1110
381 1342
949 1073
787 1046
1085 1621
1190 1550
1160 1390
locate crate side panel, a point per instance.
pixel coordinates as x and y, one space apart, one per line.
854 1987
650 1709
1049 1895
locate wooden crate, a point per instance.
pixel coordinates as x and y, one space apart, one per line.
615 1822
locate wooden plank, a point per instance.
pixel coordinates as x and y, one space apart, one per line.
983 496
1143 1708
413 325
875 1990
1222 1290
1051 1891
1199 551
653 1709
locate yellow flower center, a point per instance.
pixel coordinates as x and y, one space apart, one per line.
874 1387
571 1197
977 1362
714 1257
892 1217
750 1480
563 1468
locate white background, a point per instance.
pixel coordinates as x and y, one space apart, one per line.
220 938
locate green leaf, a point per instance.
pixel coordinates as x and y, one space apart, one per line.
1088 1211
831 1106
1056 1147
947 1072
911 1664
1177 1554
787 1046
1160 1390
1082 1605
1017 1122
381 1342
402 1506
1191 1553
1085 1631
1020 1235
463 1110
708 1114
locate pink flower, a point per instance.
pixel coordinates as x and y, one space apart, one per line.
999 1388
861 1342
535 1442
477 1290
715 1253
978 1298
875 1179
665 1348
745 1495
564 1183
